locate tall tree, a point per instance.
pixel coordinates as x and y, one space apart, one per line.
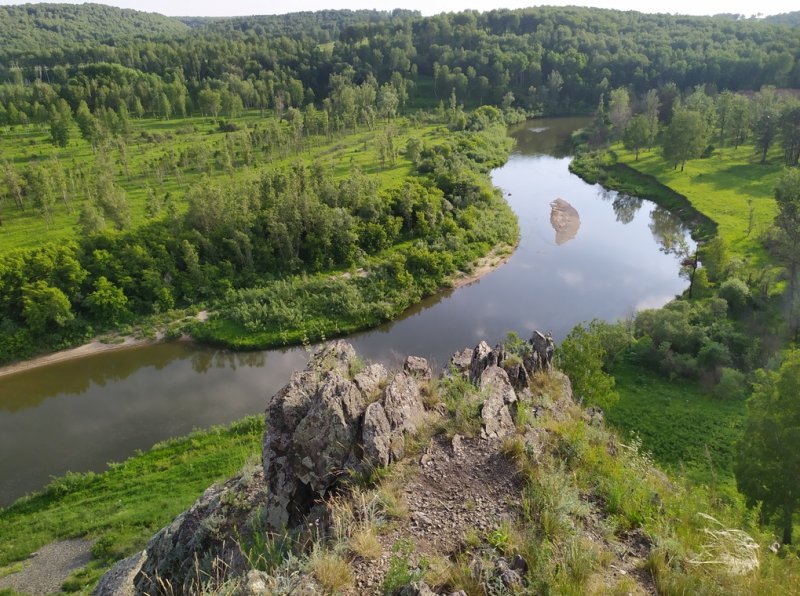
685 138
787 236
768 467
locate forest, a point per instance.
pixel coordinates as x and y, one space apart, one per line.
308 175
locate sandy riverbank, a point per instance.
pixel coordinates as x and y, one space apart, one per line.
497 257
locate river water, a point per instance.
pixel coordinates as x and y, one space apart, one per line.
615 260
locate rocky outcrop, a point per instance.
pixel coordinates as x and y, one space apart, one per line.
321 425
118 581
333 417
500 395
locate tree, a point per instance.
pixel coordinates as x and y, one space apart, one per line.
786 239
107 302
768 466
581 357
790 133
638 134
209 102
765 122
44 306
739 119
685 137
619 111
60 123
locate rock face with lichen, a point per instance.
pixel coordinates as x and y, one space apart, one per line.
335 417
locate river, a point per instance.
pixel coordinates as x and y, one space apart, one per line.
80 414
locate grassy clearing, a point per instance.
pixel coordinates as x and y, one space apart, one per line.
151 139
685 428
723 187
123 507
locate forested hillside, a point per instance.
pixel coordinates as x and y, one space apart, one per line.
38 30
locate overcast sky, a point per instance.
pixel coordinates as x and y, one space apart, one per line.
248 7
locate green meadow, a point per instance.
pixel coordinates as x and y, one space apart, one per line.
150 140
731 187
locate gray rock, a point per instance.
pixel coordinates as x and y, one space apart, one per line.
256 583
370 380
497 420
460 362
376 436
517 375
509 576
416 589
328 432
479 362
403 403
457 444
118 581
336 355
418 367
312 426
543 349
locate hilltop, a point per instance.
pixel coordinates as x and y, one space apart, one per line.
26 27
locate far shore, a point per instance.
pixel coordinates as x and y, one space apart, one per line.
482 267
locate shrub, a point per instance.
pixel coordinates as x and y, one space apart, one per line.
736 293
731 385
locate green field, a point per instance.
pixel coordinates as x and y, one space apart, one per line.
123 507
723 187
150 140
684 427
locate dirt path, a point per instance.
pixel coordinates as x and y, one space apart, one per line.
49 567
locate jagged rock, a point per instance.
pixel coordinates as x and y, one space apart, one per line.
479 362
336 355
416 589
510 577
376 436
370 380
543 349
460 362
324 438
118 581
517 375
198 541
418 368
497 420
457 444
403 403
312 427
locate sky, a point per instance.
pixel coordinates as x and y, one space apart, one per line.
427 7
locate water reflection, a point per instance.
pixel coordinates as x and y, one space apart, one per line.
565 221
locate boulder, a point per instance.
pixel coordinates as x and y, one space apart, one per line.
336 355
543 349
460 362
325 437
403 403
496 415
376 436
312 426
370 380
118 581
418 368
517 374
479 362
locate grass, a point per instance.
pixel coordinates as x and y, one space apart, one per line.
685 428
123 507
723 188
152 138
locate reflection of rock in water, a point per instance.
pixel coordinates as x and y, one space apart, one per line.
565 220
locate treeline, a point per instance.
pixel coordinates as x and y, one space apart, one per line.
408 239
694 124
551 60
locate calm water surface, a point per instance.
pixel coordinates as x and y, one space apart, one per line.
81 414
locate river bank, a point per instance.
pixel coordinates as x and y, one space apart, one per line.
496 258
